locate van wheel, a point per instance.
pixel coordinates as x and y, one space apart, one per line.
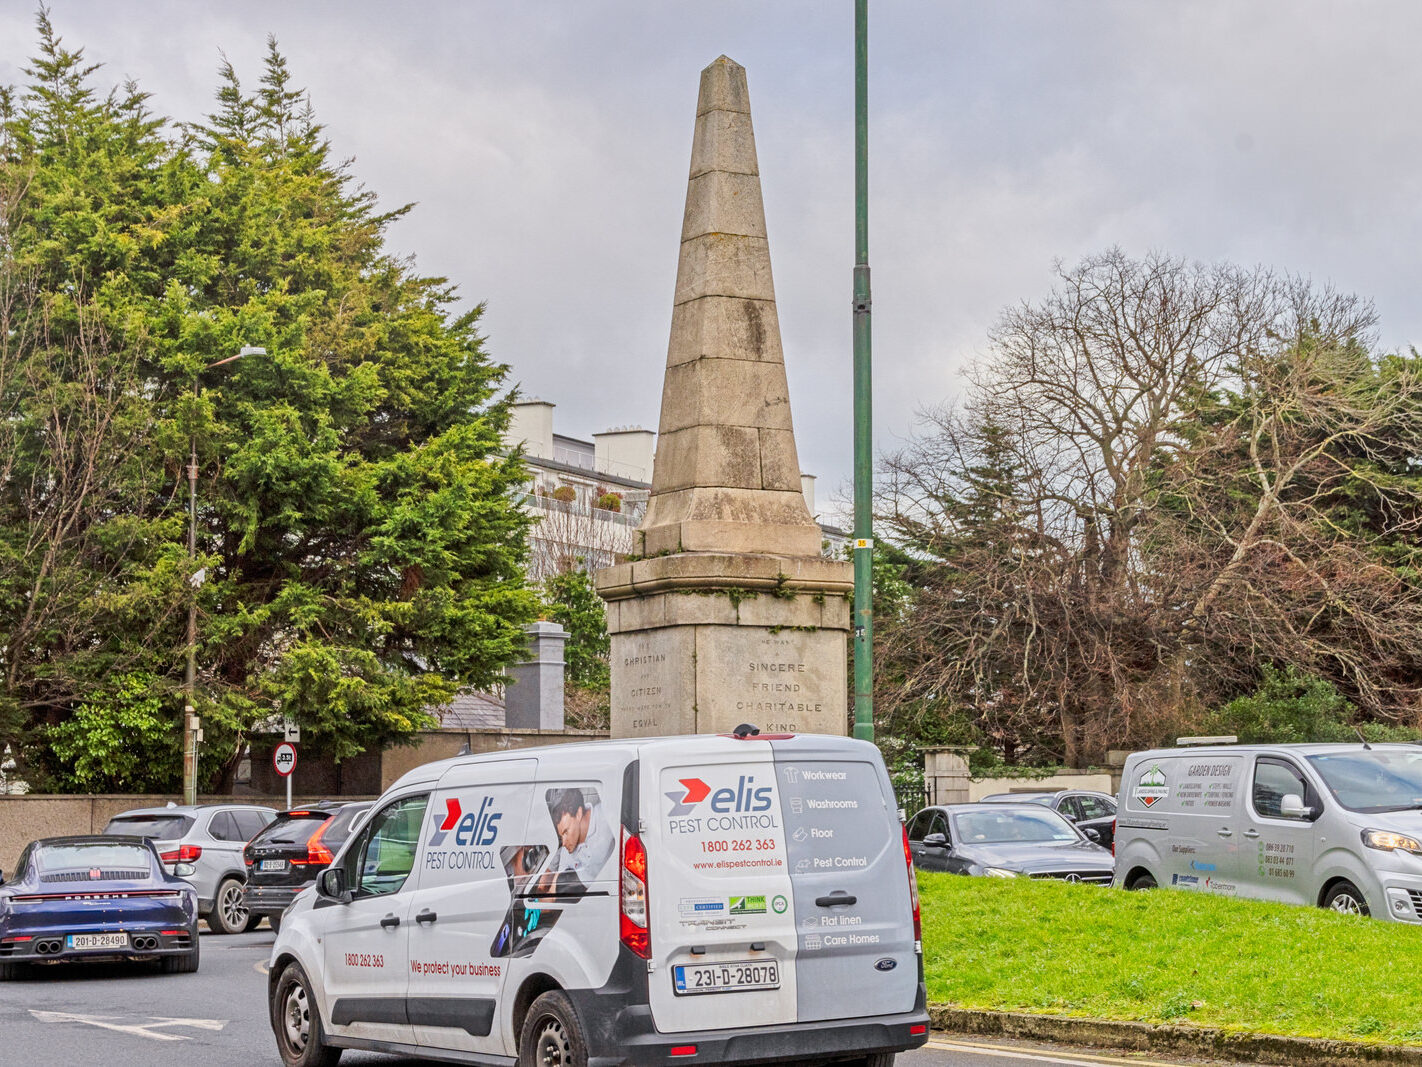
297 1022
1144 880
229 909
1346 899
552 1034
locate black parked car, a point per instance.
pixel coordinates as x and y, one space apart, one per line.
1088 809
1004 841
288 854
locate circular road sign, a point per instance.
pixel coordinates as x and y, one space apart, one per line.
284 758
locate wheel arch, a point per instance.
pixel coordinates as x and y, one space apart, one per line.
533 987
1135 872
1333 883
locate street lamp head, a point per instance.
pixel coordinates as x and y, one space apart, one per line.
252 350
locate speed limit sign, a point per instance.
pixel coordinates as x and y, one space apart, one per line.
284 758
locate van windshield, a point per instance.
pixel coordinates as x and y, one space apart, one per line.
1376 780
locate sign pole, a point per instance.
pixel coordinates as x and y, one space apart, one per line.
863 410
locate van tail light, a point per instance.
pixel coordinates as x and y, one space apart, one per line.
317 854
632 921
913 889
185 854
1113 837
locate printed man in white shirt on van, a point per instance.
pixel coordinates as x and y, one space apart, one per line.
585 840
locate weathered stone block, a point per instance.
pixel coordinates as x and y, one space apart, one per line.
711 535
773 611
654 682
717 264
708 455
726 392
723 326
723 87
779 461
706 607
792 681
718 202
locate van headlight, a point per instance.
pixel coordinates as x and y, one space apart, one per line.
1000 872
1387 840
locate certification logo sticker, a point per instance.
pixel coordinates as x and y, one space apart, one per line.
748 905
778 904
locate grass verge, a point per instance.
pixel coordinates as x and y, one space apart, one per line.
1169 956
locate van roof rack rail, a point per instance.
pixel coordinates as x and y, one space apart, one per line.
1222 739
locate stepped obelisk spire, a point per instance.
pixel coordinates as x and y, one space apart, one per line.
731 614
727 478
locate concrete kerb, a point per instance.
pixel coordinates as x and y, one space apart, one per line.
1182 1040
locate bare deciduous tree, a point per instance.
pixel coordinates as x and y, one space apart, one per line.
1096 526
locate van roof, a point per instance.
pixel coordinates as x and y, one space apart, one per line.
637 747
1309 749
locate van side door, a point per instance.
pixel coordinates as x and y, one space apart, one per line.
476 840
367 938
1279 849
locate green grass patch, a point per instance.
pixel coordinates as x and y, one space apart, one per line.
1169 956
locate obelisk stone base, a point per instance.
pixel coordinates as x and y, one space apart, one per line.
704 642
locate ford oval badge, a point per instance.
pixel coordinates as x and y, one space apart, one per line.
885 964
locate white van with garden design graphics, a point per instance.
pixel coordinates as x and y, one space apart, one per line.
713 899
1338 826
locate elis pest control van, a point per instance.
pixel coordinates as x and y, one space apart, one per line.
699 899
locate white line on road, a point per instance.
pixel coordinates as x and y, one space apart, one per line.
149 1029
1017 1053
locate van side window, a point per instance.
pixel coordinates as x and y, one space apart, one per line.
1273 780
382 859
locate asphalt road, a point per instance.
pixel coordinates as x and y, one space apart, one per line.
117 1015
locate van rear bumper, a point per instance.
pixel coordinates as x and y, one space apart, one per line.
632 1039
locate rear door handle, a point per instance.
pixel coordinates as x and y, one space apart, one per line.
1225 831
836 898
1251 833
390 920
426 916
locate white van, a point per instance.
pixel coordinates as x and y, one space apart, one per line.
1338 826
699 899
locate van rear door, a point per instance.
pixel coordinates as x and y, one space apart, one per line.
722 926
854 917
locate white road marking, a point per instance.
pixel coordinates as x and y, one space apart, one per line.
1012 1052
149 1029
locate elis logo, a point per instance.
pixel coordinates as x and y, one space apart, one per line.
743 798
469 828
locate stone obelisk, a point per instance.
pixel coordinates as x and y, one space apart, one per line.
731 614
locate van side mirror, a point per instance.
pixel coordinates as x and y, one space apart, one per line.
935 840
1291 806
332 883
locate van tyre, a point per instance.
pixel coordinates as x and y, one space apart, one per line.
1144 880
1347 899
229 908
552 1034
297 1022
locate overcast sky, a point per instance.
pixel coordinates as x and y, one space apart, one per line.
546 144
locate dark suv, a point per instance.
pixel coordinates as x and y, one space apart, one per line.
287 856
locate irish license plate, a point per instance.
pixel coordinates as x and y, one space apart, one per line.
726 977
98 940
272 865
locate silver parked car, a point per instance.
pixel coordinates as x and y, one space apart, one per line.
202 844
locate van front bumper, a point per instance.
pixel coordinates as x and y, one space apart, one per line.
629 1038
